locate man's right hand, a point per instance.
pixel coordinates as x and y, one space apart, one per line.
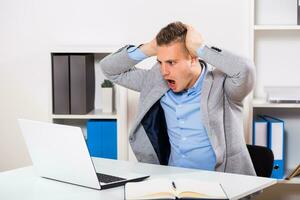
150 48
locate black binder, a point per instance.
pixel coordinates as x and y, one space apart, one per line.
82 83
298 13
60 84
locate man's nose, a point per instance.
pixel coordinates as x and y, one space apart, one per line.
164 70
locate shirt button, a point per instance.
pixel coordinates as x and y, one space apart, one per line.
183 156
184 138
181 122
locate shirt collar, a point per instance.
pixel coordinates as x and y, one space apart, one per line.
198 84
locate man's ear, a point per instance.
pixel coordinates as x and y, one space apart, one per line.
194 59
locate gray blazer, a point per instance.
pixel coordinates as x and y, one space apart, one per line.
228 81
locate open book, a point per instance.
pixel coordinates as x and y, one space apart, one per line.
295 172
174 189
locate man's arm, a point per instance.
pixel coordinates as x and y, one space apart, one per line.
119 67
240 71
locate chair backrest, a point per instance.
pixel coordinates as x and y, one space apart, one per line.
262 159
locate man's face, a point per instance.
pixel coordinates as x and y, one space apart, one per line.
175 65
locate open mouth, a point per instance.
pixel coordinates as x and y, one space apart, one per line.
171 83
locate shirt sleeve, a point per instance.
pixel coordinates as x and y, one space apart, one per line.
136 54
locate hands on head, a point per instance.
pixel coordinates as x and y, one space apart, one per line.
150 48
193 41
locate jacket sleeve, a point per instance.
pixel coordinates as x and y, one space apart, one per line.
239 71
120 69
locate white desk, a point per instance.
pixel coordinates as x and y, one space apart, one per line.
24 184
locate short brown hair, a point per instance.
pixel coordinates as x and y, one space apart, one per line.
173 32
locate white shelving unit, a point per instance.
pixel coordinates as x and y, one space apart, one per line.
261 103
94 114
275 27
275 47
120 102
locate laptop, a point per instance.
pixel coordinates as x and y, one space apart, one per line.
59 152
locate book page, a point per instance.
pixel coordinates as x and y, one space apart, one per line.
294 173
150 189
297 173
199 189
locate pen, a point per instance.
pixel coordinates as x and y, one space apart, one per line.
174 186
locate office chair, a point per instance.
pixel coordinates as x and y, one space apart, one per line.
262 159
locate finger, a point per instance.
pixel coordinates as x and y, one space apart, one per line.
189 27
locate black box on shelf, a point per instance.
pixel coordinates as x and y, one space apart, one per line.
82 83
60 84
73 81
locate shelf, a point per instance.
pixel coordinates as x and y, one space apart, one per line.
95 114
260 103
120 96
276 27
84 49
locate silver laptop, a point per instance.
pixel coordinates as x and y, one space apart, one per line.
59 152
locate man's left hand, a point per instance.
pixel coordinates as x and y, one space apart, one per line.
193 40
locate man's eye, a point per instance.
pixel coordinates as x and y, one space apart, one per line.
171 63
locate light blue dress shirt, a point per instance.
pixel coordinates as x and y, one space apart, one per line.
190 145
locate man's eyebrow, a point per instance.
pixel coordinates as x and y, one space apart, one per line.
170 60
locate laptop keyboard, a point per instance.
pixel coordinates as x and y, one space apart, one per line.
105 178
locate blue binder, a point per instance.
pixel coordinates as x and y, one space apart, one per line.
276 143
102 138
260 132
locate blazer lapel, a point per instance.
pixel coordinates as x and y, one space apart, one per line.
204 98
156 93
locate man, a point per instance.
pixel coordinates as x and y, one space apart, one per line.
190 113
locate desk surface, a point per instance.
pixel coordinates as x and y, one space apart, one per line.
24 184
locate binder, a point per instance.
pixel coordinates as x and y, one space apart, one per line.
260 132
60 84
298 13
276 144
82 83
102 138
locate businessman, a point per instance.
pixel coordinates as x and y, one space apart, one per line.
190 107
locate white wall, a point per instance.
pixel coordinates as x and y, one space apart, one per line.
30 29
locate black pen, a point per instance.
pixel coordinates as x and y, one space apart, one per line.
174 186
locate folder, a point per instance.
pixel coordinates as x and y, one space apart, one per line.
260 132
298 21
276 144
82 83
102 138
60 84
